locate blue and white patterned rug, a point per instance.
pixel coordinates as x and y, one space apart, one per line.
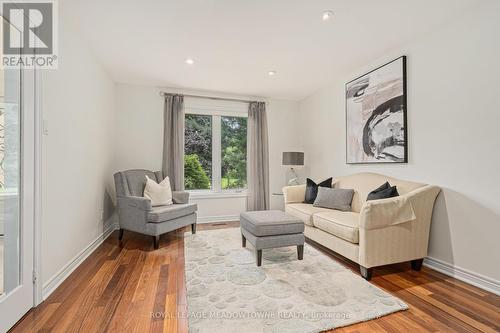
227 292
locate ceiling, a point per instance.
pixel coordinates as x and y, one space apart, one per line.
234 43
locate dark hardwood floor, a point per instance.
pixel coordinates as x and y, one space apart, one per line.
120 285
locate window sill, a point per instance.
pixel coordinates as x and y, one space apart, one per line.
8 193
216 195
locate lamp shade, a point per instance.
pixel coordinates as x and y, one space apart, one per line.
293 158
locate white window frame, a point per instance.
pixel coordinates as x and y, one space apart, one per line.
216 109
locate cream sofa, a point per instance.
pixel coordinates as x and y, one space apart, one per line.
374 233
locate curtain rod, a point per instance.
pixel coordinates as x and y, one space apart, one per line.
162 93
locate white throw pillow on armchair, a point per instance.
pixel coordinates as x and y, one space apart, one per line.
159 194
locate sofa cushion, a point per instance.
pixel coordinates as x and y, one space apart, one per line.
312 189
344 225
304 211
159 194
363 183
334 198
270 222
384 191
135 181
160 214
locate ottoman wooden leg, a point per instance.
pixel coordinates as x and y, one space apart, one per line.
259 257
300 252
243 241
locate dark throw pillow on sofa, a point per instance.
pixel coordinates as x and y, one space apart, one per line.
334 198
312 189
384 191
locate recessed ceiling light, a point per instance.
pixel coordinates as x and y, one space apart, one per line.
327 14
271 73
189 61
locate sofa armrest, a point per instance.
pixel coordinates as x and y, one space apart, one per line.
296 193
180 197
140 203
385 238
133 213
376 214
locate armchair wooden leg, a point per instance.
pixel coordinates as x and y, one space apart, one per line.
156 242
300 252
416 264
243 241
193 228
259 257
120 234
366 273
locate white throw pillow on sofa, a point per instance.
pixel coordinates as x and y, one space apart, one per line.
159 194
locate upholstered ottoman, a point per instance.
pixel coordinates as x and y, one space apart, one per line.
269 229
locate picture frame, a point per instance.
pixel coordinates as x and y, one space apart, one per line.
376 115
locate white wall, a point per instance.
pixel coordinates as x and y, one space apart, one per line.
139 133
78 107
283 130
453 117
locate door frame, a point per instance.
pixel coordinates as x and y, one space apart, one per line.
37 244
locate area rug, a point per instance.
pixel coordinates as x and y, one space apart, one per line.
227 292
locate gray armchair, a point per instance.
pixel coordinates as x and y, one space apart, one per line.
136 214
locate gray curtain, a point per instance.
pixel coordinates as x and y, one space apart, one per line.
258 157
173 141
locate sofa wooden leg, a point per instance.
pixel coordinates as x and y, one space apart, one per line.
259 257
300 252
366 273
193 228
156 242
416 264
120 234
243 241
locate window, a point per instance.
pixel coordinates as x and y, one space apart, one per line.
198 152
234 152
215 156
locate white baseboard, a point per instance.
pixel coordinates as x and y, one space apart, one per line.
216 219
54 282
58 278
464 275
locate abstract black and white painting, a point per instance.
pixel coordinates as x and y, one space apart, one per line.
376 115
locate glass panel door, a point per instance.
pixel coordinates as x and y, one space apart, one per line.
10 139
17 138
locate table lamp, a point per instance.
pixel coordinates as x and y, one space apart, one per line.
292 159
